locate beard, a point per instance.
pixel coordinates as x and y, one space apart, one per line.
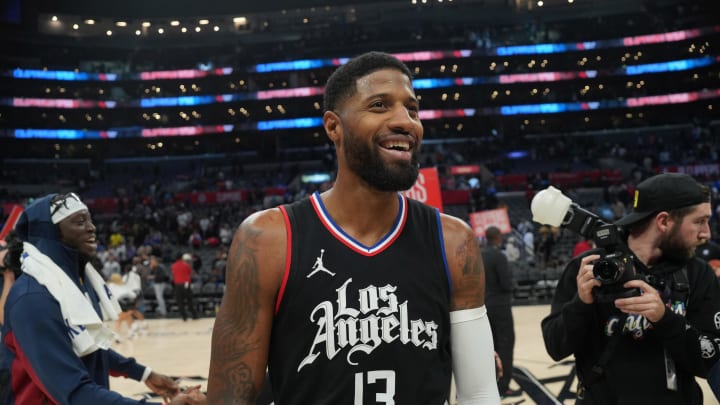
674 248
367 163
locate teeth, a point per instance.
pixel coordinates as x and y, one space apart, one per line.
399 145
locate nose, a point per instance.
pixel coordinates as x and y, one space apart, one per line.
705 231
405 121
90 226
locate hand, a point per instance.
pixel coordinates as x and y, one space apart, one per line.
162 385
649 304
586 279
498 366
190 396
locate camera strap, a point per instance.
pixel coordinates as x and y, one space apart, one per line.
598 370
680 292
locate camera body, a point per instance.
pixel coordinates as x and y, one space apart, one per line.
615 266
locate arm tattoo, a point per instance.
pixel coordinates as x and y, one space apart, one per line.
471 279
468 253
236 322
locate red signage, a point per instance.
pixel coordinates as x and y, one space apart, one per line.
427 188
12 219
465 169
480 221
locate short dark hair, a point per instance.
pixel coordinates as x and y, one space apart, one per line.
341 83
493 234
676 214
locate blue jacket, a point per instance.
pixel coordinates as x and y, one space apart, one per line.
36 346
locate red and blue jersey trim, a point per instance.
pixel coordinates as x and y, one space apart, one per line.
348 240
288 259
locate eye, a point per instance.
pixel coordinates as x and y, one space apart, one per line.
414 110
377 104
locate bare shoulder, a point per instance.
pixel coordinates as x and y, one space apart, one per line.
454 225
465 263
258 249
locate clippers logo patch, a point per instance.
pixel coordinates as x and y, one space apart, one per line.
717 320
707 348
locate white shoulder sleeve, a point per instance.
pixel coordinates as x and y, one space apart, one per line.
473 357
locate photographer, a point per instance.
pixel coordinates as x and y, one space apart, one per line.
645 339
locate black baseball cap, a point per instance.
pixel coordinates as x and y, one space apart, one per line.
664 192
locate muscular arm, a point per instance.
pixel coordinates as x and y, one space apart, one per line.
467 273
470 334
241 334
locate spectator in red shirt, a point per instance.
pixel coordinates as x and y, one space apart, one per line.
583 246
182 278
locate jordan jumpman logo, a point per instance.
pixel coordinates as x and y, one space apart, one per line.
318 266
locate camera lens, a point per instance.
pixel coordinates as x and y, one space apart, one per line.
607 271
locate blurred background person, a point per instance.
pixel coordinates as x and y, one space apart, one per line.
126 298
583 245
182 279
710 252
499 286
159 277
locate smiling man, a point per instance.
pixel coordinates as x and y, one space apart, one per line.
357 295
54 340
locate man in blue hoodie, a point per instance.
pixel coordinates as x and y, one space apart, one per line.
54 340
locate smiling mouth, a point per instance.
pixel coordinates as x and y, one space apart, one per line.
400 146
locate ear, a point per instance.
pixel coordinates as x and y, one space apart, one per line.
663 221
333 126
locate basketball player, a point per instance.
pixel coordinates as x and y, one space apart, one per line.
357 295
55 343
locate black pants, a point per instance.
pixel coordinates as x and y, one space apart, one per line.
503 330
184 297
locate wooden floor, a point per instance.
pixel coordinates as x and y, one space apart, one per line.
182 349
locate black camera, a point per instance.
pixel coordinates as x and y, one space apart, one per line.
615 266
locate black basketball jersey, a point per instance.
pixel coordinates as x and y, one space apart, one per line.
359 324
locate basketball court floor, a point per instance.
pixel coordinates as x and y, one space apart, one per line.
182 350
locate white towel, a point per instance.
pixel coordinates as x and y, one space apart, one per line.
85 328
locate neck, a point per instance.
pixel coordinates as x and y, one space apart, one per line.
644 249
366 215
